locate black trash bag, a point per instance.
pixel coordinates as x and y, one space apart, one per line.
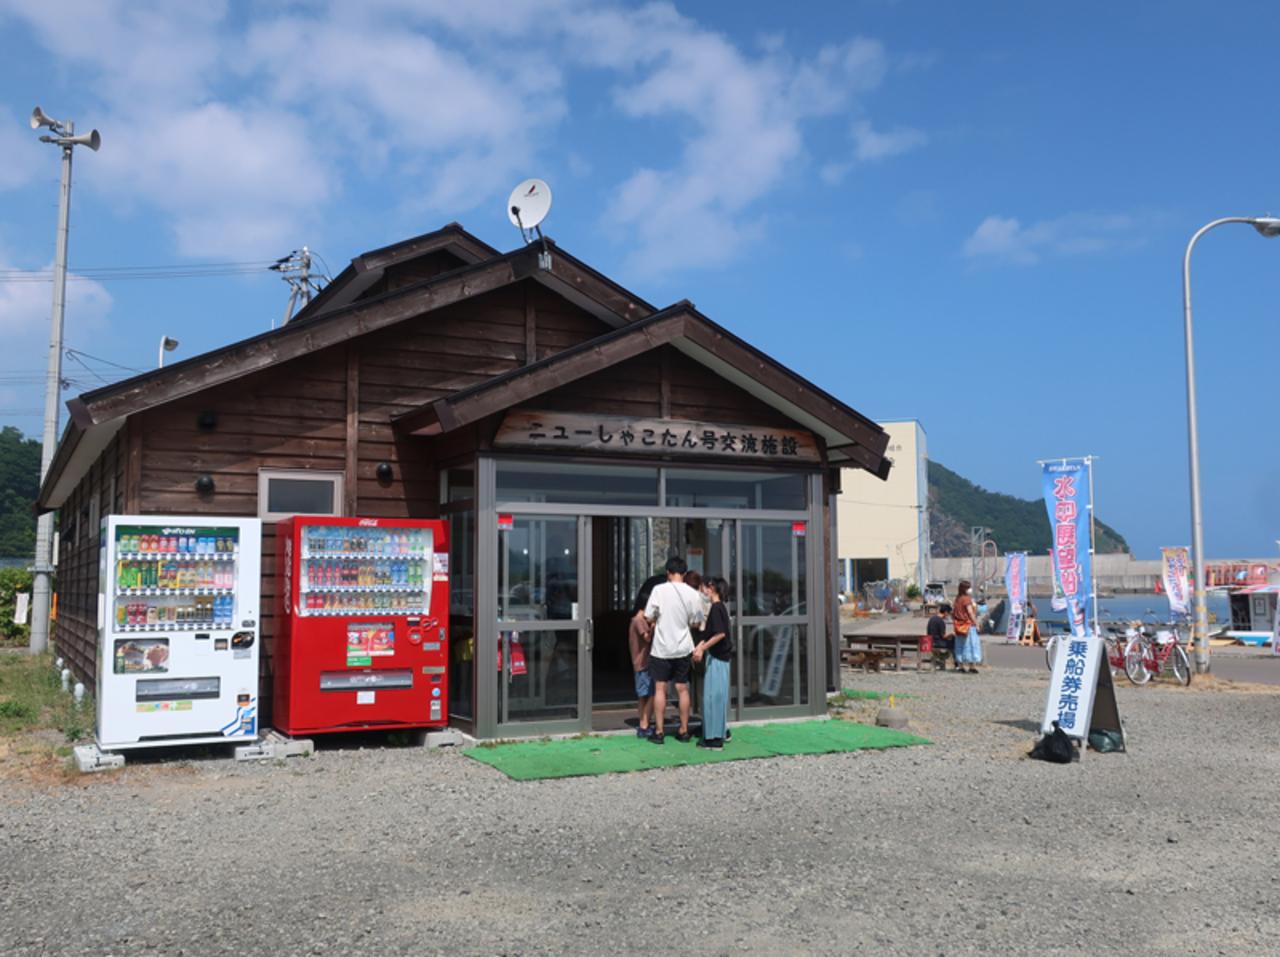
1054 746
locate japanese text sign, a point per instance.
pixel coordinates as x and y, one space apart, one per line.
1071 689
1065 482
624 435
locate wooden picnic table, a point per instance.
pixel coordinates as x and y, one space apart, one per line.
894 646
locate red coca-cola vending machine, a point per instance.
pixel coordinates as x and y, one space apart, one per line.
363 639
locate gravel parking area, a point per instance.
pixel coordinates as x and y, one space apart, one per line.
964 847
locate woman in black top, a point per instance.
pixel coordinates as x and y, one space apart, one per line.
716 649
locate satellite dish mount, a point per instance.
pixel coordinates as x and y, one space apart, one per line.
527 207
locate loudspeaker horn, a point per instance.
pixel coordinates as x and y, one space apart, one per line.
90 139
39 118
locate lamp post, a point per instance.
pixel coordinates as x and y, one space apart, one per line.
62 134
167 344
1268 226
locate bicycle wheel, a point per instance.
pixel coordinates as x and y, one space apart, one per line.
1050 648
1135 665
1181 666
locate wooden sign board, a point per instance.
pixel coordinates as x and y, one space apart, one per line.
1081 696
627 436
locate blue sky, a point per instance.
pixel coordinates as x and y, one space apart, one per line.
970 214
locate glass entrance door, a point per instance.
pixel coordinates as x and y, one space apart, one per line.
544 623
773 664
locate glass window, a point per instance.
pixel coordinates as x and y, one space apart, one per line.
775 662
723 488
577 483
538 570
773 569
282 493
540 671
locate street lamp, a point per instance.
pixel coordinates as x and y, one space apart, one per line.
61 133
1268 226
166 345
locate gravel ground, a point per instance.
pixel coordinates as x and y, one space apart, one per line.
964 847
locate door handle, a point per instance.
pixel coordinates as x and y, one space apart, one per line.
588 633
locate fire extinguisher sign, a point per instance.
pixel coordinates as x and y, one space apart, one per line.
506 523
798 529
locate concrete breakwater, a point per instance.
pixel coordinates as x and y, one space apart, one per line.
1115 573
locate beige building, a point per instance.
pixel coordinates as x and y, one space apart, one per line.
883 527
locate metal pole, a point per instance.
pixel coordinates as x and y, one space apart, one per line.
1266 227
1200 625
42 584
1093 547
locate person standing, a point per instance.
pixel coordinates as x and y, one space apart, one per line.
673 609
964 617
639 635
717 649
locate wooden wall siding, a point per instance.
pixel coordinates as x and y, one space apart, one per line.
635 387
422 360
292 417
75 633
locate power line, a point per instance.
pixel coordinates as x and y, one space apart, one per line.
119 273
84 355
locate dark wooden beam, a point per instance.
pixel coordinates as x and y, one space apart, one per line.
351 477
530 329
133 469
664 385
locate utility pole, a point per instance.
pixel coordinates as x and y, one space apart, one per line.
295 269
61 134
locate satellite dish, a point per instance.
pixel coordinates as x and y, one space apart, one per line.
529 204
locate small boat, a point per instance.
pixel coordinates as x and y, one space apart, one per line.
1253 613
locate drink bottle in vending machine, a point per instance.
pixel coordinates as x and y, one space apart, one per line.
364 613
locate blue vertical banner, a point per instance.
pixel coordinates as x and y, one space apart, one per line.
1015 581
1066 482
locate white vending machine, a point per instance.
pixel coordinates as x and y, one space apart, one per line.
178 630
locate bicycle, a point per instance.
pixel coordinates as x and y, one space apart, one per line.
1114 641
1148 653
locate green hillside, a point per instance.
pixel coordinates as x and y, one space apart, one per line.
19 483
1017 524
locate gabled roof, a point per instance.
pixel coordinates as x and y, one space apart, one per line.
851 438
338 315
369 267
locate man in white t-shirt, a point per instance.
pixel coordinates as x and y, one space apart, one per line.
674 608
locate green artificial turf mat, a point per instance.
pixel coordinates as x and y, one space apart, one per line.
859 694
610 754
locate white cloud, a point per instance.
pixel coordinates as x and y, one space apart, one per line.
20 153
243 130
26 307
1005 239
232 182
870 145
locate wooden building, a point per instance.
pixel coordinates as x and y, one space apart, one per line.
573 435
